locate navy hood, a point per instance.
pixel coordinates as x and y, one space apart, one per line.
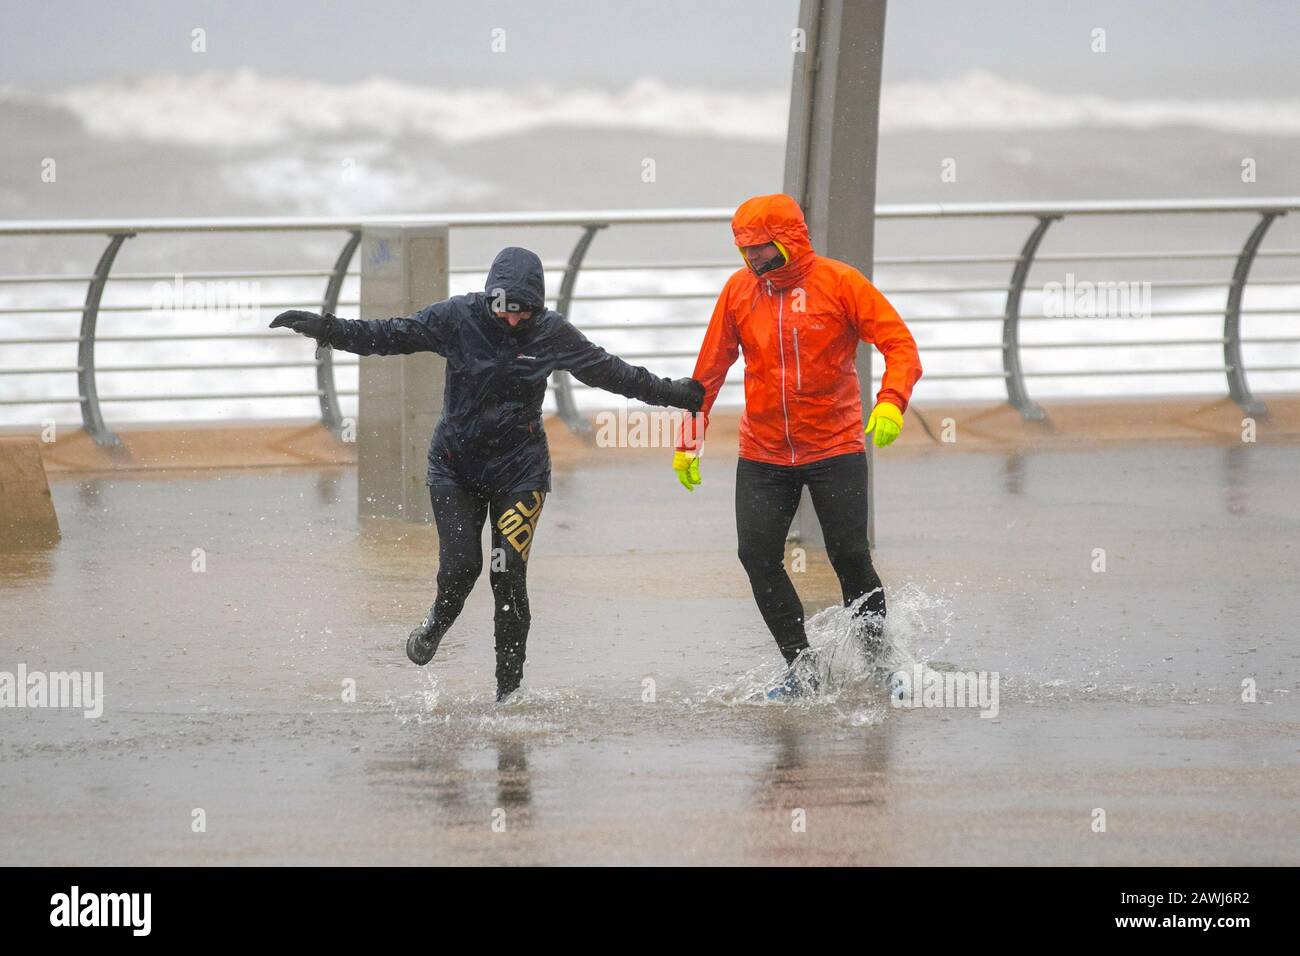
518 273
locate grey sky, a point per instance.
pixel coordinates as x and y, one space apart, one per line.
1198 48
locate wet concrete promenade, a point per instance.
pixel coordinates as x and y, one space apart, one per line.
232 611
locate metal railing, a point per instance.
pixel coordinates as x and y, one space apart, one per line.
589 224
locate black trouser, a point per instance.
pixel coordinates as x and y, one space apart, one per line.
766 498
460 514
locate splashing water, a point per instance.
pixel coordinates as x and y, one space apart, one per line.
849 672
528 711
420 704
843 665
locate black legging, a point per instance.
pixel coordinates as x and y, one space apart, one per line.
766 499
460 514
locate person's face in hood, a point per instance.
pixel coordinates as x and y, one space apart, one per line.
773 238
516 286
514 318
764 257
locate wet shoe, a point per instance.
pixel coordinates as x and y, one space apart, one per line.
422 645
793 686
504 693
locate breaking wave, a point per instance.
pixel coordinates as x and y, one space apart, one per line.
246 108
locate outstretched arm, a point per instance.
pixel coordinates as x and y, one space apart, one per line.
426 331
592 365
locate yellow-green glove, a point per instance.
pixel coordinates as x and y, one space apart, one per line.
687 466
886 421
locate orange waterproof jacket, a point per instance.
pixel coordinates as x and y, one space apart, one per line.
799 328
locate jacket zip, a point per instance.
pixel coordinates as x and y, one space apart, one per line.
780 338
798 367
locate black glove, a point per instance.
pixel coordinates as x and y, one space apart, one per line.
685 393
310 324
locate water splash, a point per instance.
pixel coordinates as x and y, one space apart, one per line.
526 712
844 667
420 705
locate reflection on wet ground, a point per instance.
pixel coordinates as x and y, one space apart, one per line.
250 634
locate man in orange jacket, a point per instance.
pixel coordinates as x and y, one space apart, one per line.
798 317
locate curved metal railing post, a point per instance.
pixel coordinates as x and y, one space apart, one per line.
330 415
87 390
561 381
1232 362
1017 394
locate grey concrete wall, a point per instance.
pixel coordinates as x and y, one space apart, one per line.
403 269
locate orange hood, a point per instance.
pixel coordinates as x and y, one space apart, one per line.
776 218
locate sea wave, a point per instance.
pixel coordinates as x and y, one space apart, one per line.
245 108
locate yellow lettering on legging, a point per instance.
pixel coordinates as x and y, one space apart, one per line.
517 524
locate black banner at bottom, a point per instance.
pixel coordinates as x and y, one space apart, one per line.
1225 906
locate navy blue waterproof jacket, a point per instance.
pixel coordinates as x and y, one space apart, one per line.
490 437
